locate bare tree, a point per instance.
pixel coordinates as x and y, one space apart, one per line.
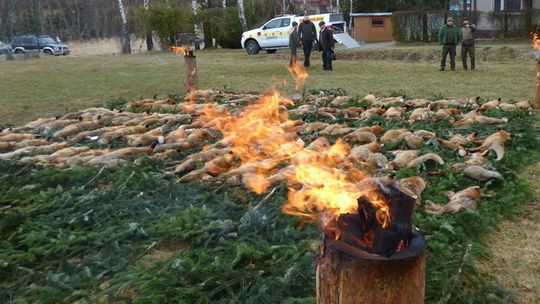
241 15
528 7
196 27
126 43
149 39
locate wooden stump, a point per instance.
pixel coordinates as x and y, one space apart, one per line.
191 74
347 279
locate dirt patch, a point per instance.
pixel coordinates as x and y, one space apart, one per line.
515 260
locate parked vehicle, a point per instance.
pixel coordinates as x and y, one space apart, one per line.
4 48
274 34
23 43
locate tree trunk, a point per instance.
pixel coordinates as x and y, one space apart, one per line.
527 18
425 36
126 42
506 29
241 15
338 6
224 3
149 38
196 27
190 73
345 279
78 18
350 15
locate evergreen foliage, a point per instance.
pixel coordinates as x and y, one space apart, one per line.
133 234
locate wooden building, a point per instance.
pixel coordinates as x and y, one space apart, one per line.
369 27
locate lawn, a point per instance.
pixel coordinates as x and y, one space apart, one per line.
54 85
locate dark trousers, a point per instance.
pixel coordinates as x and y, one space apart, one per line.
293 58
467 49
327 60
448 49
307 45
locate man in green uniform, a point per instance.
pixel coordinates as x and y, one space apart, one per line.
449 38
467 43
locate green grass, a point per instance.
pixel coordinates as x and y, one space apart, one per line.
51 86
133 234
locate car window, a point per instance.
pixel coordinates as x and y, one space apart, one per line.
46 40
285 22
17 40
29 40
273 24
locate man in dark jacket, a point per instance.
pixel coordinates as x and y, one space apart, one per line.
449 39
294 42
467 43
308 33
326 43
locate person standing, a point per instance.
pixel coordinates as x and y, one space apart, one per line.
449 39
467 43
308 33
326 43
294 42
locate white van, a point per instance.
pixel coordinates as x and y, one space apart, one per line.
274 34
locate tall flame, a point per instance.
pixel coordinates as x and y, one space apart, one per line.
299 73
180 50
536 42
323 181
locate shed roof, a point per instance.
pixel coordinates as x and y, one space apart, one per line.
371 14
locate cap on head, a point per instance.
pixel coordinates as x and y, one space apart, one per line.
321 23
450 19
466 22
294 23
306 18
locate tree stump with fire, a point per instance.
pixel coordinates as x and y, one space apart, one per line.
190 68
191 75
369 258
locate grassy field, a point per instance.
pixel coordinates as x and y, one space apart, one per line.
54 85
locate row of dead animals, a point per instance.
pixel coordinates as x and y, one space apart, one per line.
333 107
452 115
26 145
461 200
221 165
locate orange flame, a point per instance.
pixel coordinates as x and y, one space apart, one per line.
180 50
536 42
323 181
299 73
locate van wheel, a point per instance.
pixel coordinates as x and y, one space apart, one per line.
18 51
271 51
252 47
48 52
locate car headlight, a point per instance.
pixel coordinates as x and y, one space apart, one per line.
56 48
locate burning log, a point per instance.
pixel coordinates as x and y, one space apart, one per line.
372 258
190 68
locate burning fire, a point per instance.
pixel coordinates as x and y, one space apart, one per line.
323 181
299 74
180 50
